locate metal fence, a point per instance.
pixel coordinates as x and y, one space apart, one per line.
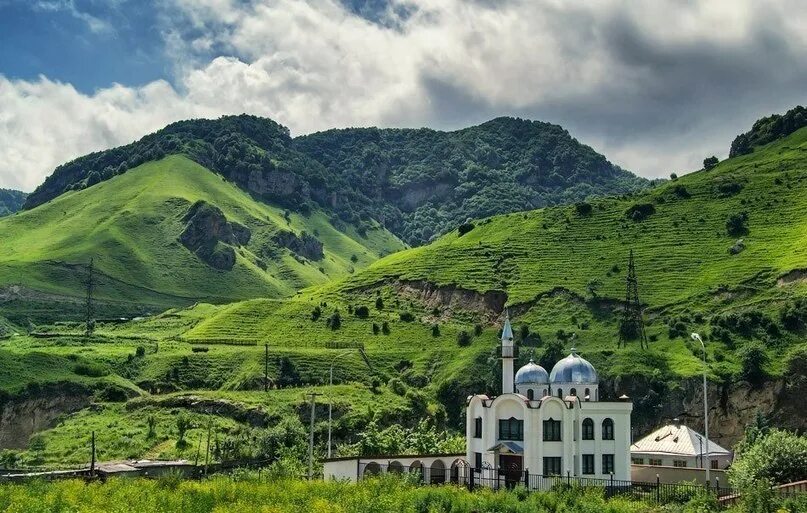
462 475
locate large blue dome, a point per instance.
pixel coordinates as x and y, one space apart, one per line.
532 373
574 369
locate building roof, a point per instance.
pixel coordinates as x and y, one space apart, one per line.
679 440
532 373
507 446
574 369
507 329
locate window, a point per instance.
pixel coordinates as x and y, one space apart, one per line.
511 429
656 462
560 393
637 461
588 464
552 466
544 394
587 396
530 394
552 430
588 429
607 463
478 460
679 463
607 429
714 464
573 391
478 427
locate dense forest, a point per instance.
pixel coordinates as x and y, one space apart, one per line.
418 182
769 129
10 201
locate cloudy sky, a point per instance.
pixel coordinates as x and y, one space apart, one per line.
655 86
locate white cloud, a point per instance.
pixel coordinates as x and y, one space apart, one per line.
654 88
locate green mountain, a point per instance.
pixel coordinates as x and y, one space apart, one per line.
417 183
11 201
169 233
769 129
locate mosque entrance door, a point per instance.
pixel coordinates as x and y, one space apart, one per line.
510 467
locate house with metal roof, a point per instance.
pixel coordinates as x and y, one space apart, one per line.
676 445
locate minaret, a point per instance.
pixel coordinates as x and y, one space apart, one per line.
508 353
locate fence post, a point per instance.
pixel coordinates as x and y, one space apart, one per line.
658 489
527 479
471 479
568 478
358 469
612 485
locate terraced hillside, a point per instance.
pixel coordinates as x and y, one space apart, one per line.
169 233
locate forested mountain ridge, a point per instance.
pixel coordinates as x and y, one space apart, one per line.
417 182
11 201
769 129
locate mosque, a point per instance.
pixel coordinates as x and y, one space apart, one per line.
548 423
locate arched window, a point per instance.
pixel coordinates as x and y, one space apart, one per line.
544 394
607 429
588 429
511 429
530 394
587 395
560 393
573 392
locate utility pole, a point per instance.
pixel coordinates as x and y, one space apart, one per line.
92 456
89 323
312 396
631 326
708 465
207 449
266 367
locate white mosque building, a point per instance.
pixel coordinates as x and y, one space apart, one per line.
542 424
548 423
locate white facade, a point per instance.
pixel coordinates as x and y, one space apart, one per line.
553 424
676 445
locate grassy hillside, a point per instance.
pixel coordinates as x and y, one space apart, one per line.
131 224
11 201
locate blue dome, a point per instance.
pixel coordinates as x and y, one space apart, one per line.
532 373
574 369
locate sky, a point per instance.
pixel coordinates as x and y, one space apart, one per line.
655 86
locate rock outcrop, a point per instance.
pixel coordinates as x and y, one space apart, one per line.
211 237
37 410
304 245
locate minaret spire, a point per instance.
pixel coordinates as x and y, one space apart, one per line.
507 354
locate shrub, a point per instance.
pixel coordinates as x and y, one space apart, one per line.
435 330
640 211
376 329
477 329
794 315
737 224
465 228
752 361
385 328
379 303
583 208
775 457
406 316
728 188
397 386
334 321
710 162
183 424
140 352
464 339
316 313
673 176
200 349
91 370
681 191
361 311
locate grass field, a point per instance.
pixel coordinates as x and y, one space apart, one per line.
130 225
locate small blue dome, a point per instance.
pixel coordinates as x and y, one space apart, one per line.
532 373
574 369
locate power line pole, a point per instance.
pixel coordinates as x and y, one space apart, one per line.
89 323
631 326
92 455
207 449
312 396
266 367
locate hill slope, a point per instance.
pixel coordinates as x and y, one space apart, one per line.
418 183
170 233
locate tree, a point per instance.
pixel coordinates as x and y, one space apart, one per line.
183 425
673 176
316 313
710 162
737 224
361 311
752 361
385 328
376 329
593 286
379 303
152 426
553 353
583 208
465 228
435 330
288 375
334 321
464 338
777 457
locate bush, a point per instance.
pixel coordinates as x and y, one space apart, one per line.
794 315
776 457
334 321
681 191
379 303
728 188
477 329
361 311
752 361
407 316
200 349
640 211
140 352
464 339
376 329
737 224
435 330
710 162
385 328
397 386
465 228
584 209
316 313
91 370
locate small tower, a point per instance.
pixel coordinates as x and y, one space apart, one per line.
508 354
631 326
